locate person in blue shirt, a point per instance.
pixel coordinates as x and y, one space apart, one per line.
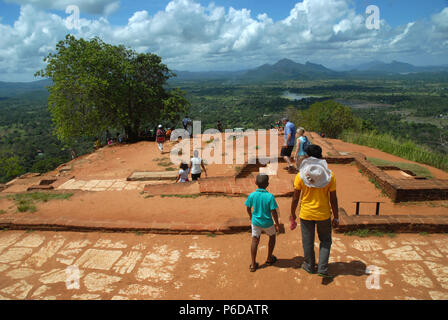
262 219
288 146
302 141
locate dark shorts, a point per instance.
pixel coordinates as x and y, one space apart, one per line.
195 177
287 151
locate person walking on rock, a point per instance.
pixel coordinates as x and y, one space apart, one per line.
160 137
302 144
288 146
196 164
263 218
315 187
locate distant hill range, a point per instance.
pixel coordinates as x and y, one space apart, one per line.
287 69
11 89
394 67
284 69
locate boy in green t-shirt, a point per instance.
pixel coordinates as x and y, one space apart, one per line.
265 208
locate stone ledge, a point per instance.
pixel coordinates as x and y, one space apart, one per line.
398 223
231 227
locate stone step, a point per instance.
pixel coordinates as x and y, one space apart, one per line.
40 187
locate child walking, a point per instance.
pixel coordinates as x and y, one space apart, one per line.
262 218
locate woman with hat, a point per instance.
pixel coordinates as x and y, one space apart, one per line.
315 187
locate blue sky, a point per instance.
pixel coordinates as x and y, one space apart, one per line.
201 35
396 12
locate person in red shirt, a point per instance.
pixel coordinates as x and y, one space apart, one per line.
160 137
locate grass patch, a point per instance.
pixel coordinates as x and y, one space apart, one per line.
402 148
415 168
25 202
170 169
138 233
148 196
2 211
424 233
364 233
26 207
211 235
165 164
376 184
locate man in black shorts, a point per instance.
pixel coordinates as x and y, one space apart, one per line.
288 146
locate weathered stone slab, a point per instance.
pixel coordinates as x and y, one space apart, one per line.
151 176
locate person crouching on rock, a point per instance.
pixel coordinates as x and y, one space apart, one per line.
183 173
265 208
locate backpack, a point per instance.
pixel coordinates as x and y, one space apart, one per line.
160 136
306 144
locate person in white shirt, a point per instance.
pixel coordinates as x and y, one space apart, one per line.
183 173
195 167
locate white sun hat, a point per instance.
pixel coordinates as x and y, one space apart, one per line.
315 173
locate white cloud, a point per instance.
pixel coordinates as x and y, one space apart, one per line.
86 6
441 21
190 36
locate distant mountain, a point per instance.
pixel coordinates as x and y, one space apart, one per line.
208 75
25 85
10 89
286 69
394 67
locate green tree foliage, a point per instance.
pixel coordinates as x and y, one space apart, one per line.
97 86
329 117
10 168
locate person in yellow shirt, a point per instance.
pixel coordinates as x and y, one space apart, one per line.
315 188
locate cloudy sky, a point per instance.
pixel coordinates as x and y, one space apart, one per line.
200 35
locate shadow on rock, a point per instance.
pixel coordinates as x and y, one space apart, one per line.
353 268
294 263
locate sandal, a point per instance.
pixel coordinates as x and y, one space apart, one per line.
274 260
253 268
